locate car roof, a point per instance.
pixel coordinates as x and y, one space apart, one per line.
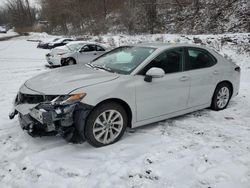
62 39
77 42
161 45
89 42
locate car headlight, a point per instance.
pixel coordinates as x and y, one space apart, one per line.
68 99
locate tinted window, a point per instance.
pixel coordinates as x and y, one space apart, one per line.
88 48
99 48
198 58
170 61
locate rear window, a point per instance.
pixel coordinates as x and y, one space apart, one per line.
199 58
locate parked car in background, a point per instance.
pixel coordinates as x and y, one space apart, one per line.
45 44
74 53
3 29
129 86
60 42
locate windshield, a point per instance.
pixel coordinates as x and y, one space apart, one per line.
123 59
76 46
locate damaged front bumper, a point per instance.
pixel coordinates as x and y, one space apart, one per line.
47 118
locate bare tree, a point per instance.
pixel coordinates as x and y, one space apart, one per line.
20 12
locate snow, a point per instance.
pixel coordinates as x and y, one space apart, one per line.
10 33
201 149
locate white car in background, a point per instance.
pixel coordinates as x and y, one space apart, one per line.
3 29
75 53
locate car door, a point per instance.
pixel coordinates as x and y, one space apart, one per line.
204 76
163 95
87 53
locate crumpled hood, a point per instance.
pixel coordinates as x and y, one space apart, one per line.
64 80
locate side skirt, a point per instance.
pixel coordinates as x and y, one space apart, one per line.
171 115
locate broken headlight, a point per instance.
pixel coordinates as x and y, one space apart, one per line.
68 99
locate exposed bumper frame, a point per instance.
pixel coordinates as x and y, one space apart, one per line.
46 119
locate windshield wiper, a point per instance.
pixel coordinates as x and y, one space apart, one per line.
90 64
101 67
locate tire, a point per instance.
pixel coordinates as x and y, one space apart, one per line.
109 131
221 97
70 61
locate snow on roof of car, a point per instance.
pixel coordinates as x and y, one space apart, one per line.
88 42
77 42
167 45
61 40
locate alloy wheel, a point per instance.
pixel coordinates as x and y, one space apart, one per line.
71 62
223 97
108 126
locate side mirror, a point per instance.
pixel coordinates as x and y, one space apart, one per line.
154 73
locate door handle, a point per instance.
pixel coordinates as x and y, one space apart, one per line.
216 72
184 78
95 53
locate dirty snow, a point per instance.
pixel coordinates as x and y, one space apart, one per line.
201 149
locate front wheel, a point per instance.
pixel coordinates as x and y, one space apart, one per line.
222 96
106 124
70 61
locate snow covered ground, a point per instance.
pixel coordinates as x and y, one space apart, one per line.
201 149
10 33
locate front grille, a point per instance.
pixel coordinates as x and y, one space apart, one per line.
33 99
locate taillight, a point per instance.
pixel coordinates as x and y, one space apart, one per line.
237 69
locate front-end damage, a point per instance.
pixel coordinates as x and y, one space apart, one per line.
52 115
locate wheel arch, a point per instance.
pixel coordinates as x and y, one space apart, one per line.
229 83
123 104
68 58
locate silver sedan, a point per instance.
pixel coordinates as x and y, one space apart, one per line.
129 86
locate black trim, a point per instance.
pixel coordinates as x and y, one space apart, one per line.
237 69
187 63
33 99
148 78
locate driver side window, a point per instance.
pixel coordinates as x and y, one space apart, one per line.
170 61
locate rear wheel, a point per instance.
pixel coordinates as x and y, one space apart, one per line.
106 124
222 96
